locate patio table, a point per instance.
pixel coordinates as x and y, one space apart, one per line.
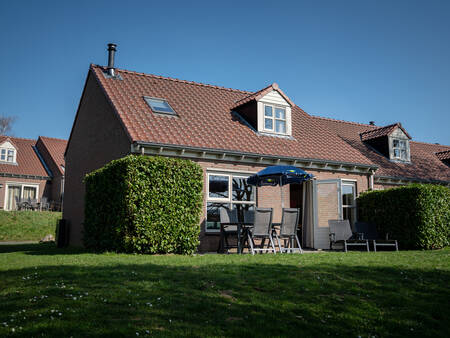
242 227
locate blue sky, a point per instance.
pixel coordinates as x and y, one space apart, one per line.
386 61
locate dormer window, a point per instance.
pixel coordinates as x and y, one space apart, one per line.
7 153
399 149
274 119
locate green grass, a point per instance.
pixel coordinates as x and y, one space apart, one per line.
27 225
46 291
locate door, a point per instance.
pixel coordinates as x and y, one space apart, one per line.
327 205
13 192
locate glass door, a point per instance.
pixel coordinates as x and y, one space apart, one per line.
12 195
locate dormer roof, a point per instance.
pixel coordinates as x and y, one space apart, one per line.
260 94
443 155
382 131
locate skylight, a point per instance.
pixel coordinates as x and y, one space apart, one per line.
159 106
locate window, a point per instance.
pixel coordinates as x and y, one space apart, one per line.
7 155
19 191
348 192
275 119
159 106
399 149
227 191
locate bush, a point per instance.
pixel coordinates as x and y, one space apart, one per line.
144 204
417 215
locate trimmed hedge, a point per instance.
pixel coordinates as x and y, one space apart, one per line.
144 204
417 215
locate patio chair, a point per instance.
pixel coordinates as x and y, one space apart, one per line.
262 229
341 233
369 231
18 203
288 231
228 228
44 203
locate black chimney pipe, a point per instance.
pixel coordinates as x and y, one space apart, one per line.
111 52
372 123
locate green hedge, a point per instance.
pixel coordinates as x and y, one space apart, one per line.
144 204
417 215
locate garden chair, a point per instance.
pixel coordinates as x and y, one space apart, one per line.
45 205
369 231
288 231
228 228
341 233
262 229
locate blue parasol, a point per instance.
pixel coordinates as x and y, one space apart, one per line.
279 175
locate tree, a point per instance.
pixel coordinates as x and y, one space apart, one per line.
6 123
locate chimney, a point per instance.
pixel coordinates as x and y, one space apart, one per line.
372 123
111 52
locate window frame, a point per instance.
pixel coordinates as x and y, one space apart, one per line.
405 149
5 155
351 207
228 201
274 119
155 111
22 185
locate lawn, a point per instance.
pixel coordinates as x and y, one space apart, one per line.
27 225
46 291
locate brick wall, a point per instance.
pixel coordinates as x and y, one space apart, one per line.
43 184
97 138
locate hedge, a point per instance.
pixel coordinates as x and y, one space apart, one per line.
417 215
141 204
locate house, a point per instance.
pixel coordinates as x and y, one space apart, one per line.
31 169
232 134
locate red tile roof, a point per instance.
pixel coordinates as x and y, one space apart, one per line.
259 94
205 120
28 162
56 148
424 163
382 131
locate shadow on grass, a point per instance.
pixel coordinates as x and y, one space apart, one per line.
248 298
42 249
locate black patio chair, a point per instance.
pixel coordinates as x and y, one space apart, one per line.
288 231
341 233
45 205
228 228
369 231
262 229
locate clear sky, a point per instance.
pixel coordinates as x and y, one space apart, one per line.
363 60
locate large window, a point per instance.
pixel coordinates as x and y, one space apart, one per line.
275 119
227 191
399 149
348 192
18 191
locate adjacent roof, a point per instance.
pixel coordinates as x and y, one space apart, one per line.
443 155
28 162
56 148
261 93
205 119
424 163
382 131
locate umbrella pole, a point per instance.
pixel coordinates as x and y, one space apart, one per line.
282 200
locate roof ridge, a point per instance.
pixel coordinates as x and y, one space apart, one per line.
432 144
19 138
177 80
53 138
343 121
383 127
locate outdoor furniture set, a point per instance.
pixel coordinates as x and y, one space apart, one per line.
32 204
341 233
257 225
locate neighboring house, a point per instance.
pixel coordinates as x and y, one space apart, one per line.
233 134
25 170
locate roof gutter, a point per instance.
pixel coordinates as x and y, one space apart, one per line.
31 177
200 153
393 180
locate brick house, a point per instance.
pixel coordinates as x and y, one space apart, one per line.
233 134
29 169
